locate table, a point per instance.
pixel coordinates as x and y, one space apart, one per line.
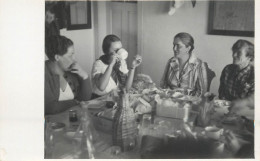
69 147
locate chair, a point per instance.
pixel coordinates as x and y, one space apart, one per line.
210 75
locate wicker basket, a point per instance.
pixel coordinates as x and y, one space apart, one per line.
124 124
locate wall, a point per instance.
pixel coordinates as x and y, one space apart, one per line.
159 29
84 47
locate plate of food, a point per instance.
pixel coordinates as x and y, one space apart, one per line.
221 103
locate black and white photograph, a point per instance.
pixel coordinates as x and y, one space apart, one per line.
126 79
148 81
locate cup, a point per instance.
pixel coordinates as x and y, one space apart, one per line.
122 53
115 150
146 121
213 132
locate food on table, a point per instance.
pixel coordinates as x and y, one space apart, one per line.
142 82
143 107
221 110
177 94
166 107
147 98
220 103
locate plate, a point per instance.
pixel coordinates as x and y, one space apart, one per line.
57 126
230 120
96 104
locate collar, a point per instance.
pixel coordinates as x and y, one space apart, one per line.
192 62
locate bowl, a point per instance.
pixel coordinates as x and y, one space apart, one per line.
213 132
57 126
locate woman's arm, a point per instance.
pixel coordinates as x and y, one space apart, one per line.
54 107
101 80
130 78
83 89
136 62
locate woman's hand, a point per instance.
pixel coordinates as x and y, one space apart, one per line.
137 61
76 68
238 105
115 58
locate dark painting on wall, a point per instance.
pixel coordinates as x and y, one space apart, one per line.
79 15
235 18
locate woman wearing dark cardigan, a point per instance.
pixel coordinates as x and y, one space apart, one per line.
65 80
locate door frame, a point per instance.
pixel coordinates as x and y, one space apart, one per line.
103 28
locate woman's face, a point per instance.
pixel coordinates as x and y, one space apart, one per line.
179 48
114 47
65 61
240 58
49 17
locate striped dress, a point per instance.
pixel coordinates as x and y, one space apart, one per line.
193 76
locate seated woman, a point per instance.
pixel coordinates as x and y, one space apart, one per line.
65 80
237 79
184 70
107 71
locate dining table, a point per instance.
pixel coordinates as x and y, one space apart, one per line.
66 142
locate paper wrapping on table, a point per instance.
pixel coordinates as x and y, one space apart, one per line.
169 108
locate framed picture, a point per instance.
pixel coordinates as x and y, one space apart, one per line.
235 18
79 15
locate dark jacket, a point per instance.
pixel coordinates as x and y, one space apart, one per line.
52 104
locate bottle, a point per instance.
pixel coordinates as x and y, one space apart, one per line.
87 145
49 141
186 108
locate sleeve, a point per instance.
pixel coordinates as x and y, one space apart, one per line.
98 68
251 84
83 89
163 83
51 103
201 84
248 87
221 91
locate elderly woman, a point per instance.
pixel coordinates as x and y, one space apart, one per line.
237 79
65 80
184 70
109 70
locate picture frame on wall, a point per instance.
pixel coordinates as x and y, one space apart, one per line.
233 18
79 15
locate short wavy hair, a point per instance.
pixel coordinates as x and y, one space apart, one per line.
57 45
239 44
